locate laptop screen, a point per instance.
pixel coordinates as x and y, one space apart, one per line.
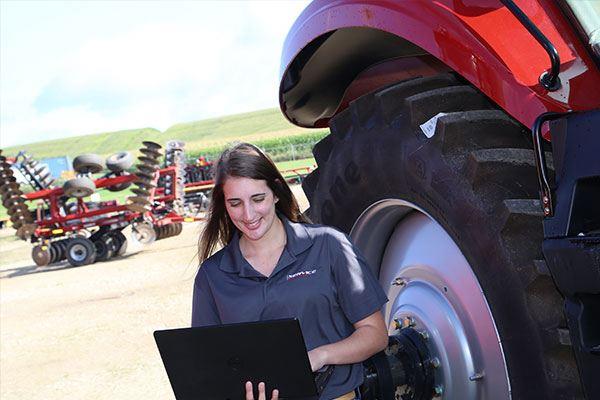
214 362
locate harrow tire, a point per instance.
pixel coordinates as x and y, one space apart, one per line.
41 255
475 177
80 251
61 247
121 186
119 161
79 187
118 188
105 247
88 163
120 243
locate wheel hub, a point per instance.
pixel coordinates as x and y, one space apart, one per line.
434 292
78 252
409 348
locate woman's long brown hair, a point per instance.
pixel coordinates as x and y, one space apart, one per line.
243 160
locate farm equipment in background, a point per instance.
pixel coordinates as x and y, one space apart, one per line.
62 225
197 193
199 182
437 166
36 174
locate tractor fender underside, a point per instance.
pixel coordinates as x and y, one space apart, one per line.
333 43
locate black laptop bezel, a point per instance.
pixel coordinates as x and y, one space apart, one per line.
288 365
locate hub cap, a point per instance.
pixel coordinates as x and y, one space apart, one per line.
78 252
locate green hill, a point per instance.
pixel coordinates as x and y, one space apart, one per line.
209 133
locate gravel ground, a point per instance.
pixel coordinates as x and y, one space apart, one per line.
86 332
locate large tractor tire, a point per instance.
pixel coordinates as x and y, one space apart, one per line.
448 217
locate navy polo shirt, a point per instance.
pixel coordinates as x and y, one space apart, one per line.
320 278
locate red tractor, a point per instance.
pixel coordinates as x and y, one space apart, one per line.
470 129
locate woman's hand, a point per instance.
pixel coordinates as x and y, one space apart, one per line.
317 358
369 337
261 392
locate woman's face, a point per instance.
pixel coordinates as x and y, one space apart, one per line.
250 204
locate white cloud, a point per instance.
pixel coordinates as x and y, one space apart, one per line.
154 68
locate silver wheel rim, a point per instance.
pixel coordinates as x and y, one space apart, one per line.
431 286
78 252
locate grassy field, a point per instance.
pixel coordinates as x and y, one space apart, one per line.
210 133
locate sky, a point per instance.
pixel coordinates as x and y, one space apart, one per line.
72 68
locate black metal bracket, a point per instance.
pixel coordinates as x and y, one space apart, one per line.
571 244
549 80
540 161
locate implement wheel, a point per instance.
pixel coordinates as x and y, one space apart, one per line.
105 247
120 161
88 163
439 191
120 243
80 251
79 187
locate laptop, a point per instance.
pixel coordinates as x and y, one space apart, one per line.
214 362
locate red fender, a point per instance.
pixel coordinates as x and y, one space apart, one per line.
479 39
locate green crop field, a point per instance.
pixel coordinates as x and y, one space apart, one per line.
212 134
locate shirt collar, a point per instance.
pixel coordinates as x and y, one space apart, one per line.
298 240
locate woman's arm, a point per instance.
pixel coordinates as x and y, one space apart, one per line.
369 338
204 308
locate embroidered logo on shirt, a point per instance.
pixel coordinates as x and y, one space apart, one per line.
301 274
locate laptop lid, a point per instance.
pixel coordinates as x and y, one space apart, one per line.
214 362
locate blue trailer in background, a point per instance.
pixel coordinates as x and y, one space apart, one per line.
60 167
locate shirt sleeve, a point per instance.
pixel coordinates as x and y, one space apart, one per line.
204 309
358 291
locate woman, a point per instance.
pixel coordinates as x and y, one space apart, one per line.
275 265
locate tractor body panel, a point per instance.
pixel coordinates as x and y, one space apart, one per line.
333 42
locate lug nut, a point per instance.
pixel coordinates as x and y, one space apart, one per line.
408 322
476 376
399 282
434 362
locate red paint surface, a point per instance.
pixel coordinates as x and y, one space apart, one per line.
480 39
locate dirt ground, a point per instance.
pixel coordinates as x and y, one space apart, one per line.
86 332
